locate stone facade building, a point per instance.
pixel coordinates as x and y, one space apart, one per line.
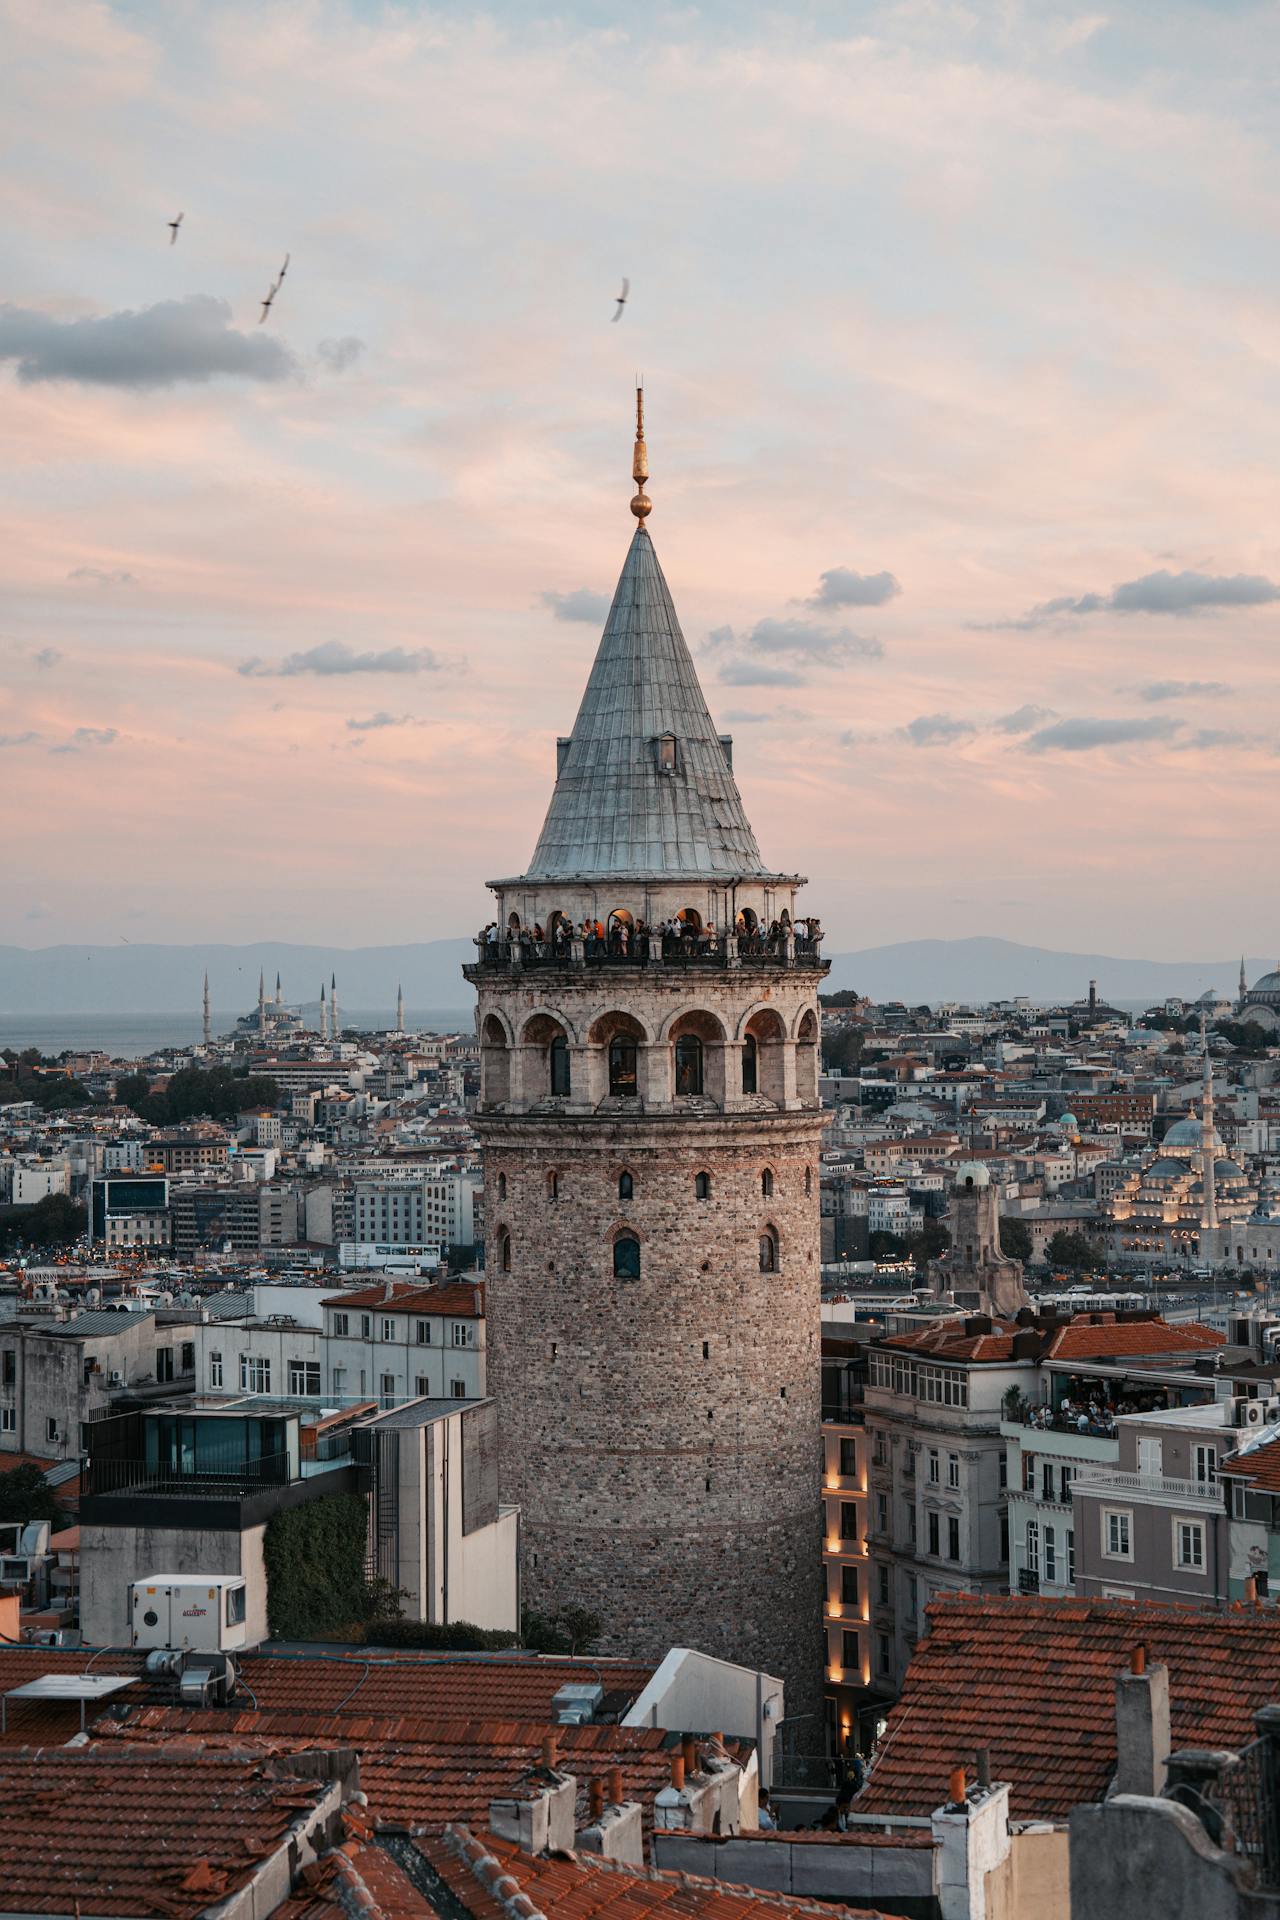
651 1128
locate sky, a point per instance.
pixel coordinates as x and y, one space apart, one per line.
960 331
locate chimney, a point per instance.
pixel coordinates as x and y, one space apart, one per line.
616 1827
972 1845
539 1819
1142 1726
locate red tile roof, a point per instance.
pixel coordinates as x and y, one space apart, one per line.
948 1339
139 1832
419 1771
1260 1466
1119 1339
459 1297
584 1887
1034 1680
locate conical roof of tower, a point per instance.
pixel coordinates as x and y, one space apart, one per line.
622 806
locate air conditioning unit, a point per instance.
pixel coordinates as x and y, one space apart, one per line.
575 1704
200 1612
115 1377
1251 1413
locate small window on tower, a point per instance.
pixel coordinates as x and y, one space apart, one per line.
626 1186
702 1186
666 753
626 1258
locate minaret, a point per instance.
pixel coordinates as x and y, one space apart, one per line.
279 994
334 1028
400 1008
324 1014
262 1001
208 1021
1209 1218
651 1130
1244 987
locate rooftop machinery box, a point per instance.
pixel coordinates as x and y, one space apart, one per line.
205 1612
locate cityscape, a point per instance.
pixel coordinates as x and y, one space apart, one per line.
580 1390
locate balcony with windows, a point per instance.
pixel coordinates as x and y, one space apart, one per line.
1152 1489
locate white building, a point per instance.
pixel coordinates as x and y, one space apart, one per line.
438 1206
35 1179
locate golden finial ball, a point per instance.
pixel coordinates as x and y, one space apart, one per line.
641 504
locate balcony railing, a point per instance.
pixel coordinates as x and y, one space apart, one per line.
649 951
1158 1487
187 1483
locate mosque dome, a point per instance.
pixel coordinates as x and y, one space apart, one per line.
1166 1168
1187 1134
1269 983
1068 1123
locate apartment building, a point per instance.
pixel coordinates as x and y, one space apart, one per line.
1154 1525
59 1374
436 1207
846 1590
389 1343
246 1218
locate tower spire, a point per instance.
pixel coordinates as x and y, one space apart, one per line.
333 1003
208 1026
400 1008
262 1000
279 994
641 504
324 1014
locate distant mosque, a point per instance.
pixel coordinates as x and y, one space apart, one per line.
1260 1002
1179 1197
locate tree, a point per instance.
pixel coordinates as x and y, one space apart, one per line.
929 1244
846 997
26 1495
193 1093
54 1221
1015 1240
842 1049
1074 1252
568 1630
886 1246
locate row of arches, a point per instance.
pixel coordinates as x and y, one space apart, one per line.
626 1251
692 1055
688 917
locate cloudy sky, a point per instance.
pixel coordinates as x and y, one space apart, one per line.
960 327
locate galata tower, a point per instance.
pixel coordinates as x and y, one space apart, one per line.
650 1122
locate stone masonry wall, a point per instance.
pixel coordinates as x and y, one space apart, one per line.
662 1435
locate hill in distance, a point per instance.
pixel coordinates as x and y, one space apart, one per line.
168 979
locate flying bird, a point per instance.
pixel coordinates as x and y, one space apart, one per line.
173 229
622 298
273 290
280 276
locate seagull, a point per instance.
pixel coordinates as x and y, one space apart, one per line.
284 269
266 305
622 297
173 229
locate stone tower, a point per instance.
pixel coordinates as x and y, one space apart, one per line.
974 1269
650 1122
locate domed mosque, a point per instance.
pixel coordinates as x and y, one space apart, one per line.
1261 1001
1179 1197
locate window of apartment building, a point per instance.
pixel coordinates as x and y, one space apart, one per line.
215 1369
1004 1471
1004 1538
387 1389
882 1586
341 1325
1205 1465
953 1470
366 1326
849 1520
934 1533
850 1652
1046 1480
934 1475
51 1427
879 1454
1188 1545
8 1419
909 1464
188 1359
421 1386
9 1367
953 1537
255 1373
1050 1553
422 1331
1117 1533
913 1596
849 1586
164 1363
462 1333
458 1388
1065 1475
339 1381
1071 1556
1028 1473
304 1378
388 1328
848 1459
1033 1546
882 1652
911 1524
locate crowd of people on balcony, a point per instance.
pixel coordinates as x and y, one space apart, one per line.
685 936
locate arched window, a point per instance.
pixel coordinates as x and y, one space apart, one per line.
623 1056
502 1186
688 1064
558 1056
504 1250
750 1065
766 1183
553 1186
769 1251
702 1186
626 1257
626 1186
808 1181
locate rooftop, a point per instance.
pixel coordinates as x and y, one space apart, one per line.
1034 1680
462 1298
